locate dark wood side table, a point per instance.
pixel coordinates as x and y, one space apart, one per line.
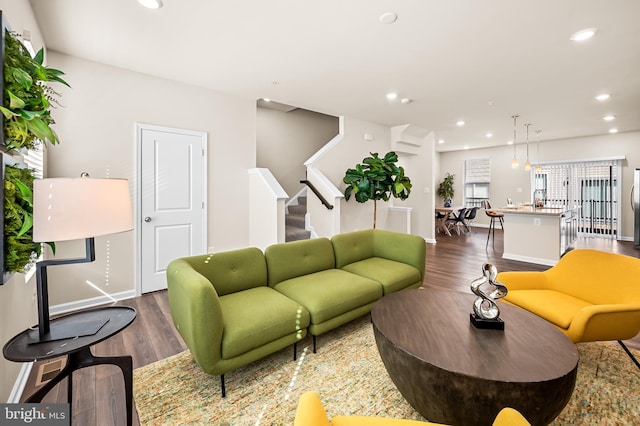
22 349
453 373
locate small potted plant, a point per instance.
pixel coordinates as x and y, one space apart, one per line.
445 190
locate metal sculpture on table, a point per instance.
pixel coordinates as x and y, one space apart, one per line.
486 313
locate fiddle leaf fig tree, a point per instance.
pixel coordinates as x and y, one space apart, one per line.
376 179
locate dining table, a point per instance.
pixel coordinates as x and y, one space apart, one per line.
441 222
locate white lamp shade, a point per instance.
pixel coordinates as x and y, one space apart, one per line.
77 208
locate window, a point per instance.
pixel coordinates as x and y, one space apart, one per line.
591 185
477 178
35 160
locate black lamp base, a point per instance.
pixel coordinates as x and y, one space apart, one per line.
491 324
70 331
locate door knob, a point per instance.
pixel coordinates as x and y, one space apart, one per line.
147 219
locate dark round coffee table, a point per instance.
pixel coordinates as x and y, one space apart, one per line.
454 373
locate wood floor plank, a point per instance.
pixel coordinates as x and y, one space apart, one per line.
452 263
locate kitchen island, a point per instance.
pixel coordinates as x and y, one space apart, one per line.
538 235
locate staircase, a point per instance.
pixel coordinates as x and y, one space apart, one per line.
294 221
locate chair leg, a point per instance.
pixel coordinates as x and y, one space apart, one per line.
314 344
629 353
491 225
295 351
224 390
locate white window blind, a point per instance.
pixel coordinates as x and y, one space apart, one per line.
477 178
594 186
35 160
477 170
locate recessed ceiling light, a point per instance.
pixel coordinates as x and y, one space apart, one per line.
509 142
603 97
391 96
405 101
613 130
609 117
388 18
151 4
441 141
489 135
582 35
466 147
266 99
460 123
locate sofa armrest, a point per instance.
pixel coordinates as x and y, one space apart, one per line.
405 248
605 322
196 312
524 280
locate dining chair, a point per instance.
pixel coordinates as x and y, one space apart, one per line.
439 217
470 216
458 220
486 205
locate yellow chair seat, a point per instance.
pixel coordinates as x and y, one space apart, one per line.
556 307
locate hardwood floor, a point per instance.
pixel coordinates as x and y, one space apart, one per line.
452 263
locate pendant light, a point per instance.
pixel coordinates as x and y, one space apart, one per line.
527 165
538 167
514 162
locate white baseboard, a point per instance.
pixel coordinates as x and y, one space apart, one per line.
20 383
528 259
89 303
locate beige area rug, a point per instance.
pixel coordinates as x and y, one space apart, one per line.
349 376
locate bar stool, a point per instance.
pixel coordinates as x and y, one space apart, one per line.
486 205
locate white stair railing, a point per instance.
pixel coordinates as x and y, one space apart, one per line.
266 209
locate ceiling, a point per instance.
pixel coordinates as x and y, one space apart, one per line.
477 61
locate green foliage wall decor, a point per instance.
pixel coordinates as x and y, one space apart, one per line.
27 98
19 249
377 179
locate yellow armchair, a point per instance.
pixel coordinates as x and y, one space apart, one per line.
589 295
310 412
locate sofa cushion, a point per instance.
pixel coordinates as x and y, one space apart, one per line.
557 308
255 317
327 294
353 246
232 271
298 258
392 275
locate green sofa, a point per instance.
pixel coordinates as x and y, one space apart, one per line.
232 308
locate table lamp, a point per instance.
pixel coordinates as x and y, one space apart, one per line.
70 209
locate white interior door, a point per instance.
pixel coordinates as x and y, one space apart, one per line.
172 213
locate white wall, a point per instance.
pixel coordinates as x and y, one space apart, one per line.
284 140
353 149
96 128
506 181
349 152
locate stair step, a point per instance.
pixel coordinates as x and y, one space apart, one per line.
295 234
299 209
294 220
